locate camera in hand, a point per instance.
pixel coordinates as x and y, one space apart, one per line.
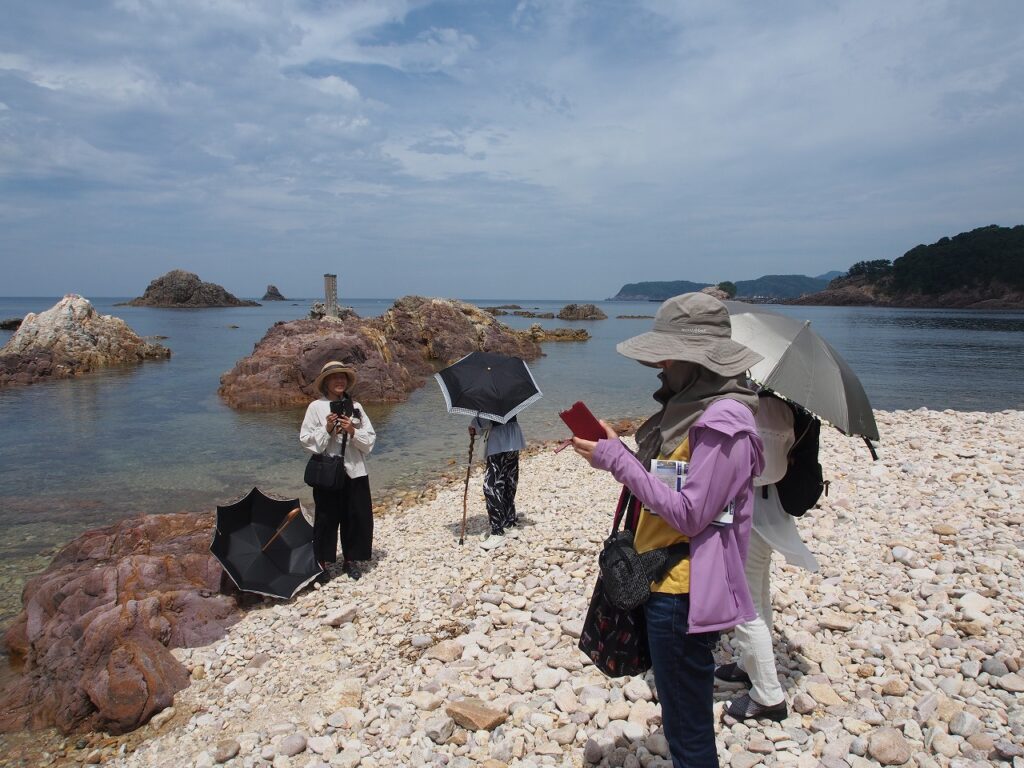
342 407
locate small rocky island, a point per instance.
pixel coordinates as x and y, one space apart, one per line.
181 289
69 339
581 312
273 294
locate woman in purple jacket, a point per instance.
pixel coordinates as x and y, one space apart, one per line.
706 419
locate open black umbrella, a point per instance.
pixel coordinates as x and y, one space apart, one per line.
489 385
265 545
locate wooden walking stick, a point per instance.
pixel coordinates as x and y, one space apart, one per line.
288 518
465 493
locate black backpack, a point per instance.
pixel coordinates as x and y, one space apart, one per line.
803 484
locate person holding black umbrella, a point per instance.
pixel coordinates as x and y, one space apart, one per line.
501 478
335 425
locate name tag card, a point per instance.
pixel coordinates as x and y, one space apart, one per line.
673 474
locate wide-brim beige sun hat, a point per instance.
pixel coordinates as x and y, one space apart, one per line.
331 367
693 327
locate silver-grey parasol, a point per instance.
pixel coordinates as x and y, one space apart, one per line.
801 366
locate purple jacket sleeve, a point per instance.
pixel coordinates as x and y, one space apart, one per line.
719 467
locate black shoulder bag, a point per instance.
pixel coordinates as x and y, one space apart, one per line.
327 473
614 633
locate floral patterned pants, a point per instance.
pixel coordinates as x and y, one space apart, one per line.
500 481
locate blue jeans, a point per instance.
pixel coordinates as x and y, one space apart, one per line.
684 672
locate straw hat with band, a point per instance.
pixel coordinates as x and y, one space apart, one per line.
693 327
331 367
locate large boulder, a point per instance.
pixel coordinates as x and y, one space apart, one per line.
68 339
180 289
94 636
393 354
273 294
581 312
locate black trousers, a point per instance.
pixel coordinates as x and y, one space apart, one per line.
501 479
350 509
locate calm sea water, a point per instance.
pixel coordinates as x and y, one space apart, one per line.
156 437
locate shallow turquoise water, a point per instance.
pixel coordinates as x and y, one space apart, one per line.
157 438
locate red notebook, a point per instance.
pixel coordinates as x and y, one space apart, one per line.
583 423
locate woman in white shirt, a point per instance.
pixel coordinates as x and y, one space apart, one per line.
774 529
332 434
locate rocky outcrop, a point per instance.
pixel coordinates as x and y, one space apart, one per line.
393 354
861 291
715 292
10 324
842 296
94 636
581 312
273 294
68 339
538 315
539 334
180 289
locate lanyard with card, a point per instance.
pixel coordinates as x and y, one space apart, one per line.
673 474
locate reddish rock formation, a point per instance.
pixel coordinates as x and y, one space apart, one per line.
68 339
393 354
94 635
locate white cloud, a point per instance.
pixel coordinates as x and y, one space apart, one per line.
552 127
336 86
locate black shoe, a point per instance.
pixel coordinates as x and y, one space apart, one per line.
352 571
324 577
731 673
745 708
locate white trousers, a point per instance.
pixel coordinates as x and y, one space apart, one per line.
754 639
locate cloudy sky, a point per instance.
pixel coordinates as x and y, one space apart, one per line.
534 149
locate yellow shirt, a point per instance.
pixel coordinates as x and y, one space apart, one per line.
653 533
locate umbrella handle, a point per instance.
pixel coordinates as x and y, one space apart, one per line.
465 492
871 447
288 518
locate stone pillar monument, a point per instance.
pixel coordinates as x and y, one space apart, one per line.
331 295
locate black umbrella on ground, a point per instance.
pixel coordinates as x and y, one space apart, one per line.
265 545
489 385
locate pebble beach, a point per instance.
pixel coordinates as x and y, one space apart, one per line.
906 649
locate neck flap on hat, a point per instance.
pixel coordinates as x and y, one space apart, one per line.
687 389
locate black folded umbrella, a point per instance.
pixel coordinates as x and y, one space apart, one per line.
489 385
265 545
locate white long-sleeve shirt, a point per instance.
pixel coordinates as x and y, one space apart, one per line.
316 439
